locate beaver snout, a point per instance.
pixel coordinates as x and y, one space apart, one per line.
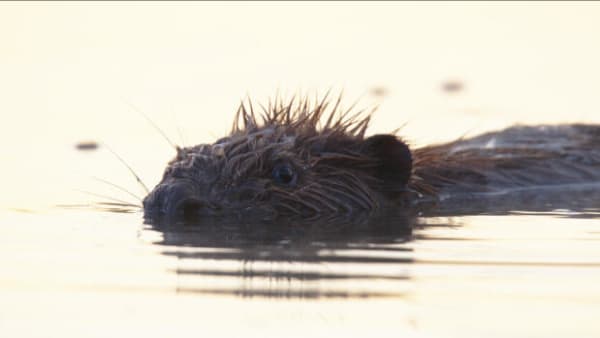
173 201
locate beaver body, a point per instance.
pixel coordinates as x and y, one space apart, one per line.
298 159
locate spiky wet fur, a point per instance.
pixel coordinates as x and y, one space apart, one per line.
325 143
300 128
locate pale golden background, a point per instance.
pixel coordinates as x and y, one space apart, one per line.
70 72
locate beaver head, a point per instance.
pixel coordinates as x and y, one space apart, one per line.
292 159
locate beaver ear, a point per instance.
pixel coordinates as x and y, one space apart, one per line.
394 161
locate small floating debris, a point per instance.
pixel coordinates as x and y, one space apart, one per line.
453 86
379 91
86 145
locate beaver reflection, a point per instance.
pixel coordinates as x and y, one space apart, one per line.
292 260
358 257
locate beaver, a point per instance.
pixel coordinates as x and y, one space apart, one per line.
297 158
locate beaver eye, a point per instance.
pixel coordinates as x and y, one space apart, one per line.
284 173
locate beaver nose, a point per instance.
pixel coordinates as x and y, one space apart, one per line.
186 209
174 200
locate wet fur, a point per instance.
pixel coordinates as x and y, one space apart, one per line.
343 171
517 157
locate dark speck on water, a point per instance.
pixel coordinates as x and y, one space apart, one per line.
86 145
453 86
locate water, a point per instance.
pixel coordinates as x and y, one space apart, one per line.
510 275
507 266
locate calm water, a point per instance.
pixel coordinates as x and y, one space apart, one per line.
519 265
76 271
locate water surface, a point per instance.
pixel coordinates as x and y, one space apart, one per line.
533 275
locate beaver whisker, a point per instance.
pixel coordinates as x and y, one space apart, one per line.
137 178
154 125
119 188
109 198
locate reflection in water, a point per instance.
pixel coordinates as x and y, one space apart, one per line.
337 259
342 258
